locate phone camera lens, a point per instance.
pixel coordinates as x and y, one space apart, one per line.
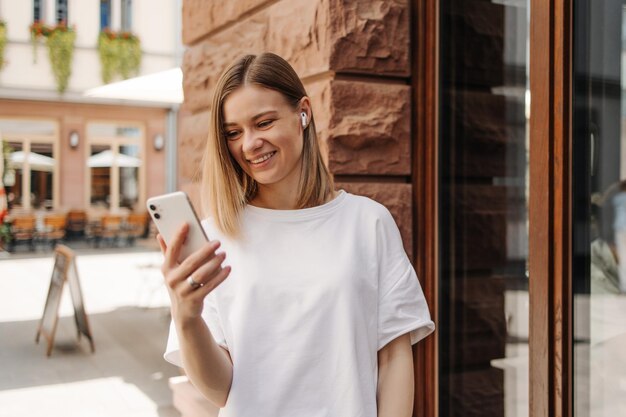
152 207
157 216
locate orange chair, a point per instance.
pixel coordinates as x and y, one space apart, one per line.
135 226
112 230
54 229
23 228
76 223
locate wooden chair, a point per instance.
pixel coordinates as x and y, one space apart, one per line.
54 229
23 231
112 230
135 226
76 223
93 227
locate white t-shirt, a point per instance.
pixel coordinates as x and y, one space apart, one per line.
312 296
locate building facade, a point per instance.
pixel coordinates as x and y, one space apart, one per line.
494 132
77 151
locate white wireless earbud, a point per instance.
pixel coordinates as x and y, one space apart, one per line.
303 119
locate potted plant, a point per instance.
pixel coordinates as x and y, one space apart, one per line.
3 42
120 54
37 31
60 42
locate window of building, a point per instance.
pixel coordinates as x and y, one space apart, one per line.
127 15
38 10
105 14
116 166
32 175
61 15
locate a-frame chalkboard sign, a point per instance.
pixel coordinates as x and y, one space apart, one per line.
64 271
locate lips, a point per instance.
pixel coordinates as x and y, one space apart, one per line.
261 158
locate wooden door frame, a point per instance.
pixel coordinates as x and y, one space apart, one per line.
424 18
550 211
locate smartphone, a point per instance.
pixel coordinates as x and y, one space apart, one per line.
169 212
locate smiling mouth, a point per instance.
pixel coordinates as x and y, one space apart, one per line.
263 158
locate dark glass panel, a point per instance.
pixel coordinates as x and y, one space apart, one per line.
483 326
599 208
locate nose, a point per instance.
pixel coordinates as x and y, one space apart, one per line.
251 141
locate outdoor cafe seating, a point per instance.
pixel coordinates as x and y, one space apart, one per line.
53 230
23 231
43 230
113 229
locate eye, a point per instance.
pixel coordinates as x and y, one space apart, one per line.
232 134
265 123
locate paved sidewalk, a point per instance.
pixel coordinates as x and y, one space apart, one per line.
126 304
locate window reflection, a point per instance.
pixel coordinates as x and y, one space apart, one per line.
100 166
13 177
599 208
484 307
116 164
129 163
41 164
29 177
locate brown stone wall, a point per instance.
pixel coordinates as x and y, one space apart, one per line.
353 56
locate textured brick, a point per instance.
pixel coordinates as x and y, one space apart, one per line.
314 36
369 128
278 29
193 135
202 17
396 197
370 37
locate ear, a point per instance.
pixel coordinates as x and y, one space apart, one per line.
305 106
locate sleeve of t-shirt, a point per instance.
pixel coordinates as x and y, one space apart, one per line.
402 307
211 318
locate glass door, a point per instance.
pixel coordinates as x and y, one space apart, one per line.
483 209
599 208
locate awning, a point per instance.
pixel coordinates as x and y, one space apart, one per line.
159 87
36 161
105 159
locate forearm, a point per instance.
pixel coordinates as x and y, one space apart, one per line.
206 364
395 380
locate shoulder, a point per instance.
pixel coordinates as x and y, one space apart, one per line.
368 208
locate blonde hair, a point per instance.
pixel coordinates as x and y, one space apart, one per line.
226 188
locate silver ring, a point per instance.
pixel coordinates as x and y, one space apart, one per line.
193 283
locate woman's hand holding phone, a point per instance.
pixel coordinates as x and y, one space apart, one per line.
190 281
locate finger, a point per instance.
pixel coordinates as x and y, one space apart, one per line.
188 267
173 251
206 271
162 244
213 283
198 258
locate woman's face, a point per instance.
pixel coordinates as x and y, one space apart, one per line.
264 135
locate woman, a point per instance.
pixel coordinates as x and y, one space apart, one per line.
321 307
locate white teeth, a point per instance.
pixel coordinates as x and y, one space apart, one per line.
263 158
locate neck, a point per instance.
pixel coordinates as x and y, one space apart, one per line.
275 199
285 199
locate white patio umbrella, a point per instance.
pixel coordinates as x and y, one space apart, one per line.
37 162
105 159
160 87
